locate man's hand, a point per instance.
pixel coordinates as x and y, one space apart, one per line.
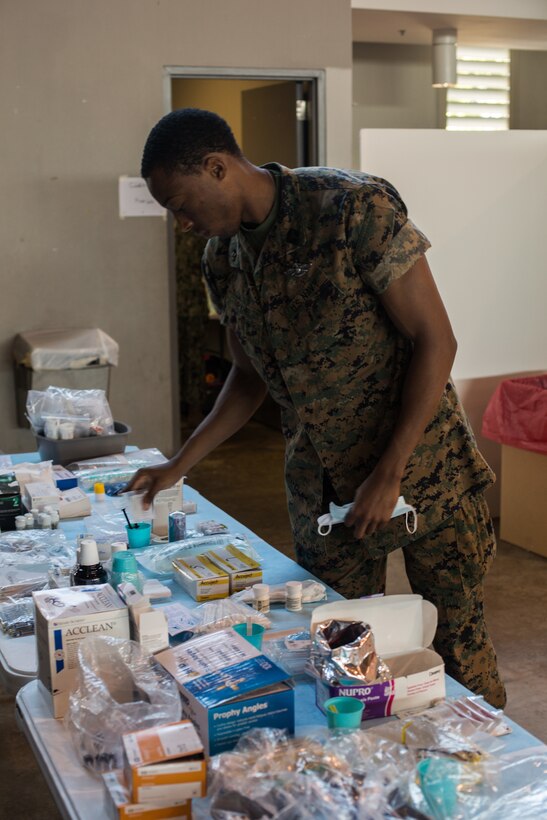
374 502
154 479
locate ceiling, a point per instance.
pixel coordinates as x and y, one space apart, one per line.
415 28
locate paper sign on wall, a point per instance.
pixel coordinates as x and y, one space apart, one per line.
136 200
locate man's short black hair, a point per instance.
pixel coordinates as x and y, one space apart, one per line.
181 139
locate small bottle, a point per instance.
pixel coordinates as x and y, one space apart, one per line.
98 489
45 521
89 570
262 597
55 519
36 515
20 522
30 521
293 596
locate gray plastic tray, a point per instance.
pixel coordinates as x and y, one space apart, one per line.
63 451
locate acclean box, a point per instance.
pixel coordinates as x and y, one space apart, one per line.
228 687
63 618
120 805
403 626
202 579
242 570
165 763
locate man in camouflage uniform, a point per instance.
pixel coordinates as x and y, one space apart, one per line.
322 282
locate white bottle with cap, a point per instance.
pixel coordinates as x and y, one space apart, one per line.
293 596
261 594
89 570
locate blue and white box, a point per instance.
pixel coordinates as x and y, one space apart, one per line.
228 687
65 617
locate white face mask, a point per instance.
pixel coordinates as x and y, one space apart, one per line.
336 515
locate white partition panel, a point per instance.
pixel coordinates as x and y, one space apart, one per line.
481 198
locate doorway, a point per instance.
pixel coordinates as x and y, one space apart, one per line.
275 115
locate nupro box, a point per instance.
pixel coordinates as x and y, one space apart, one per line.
63 618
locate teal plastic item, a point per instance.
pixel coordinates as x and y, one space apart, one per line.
344 712
139 534
255 637
124 569
439 779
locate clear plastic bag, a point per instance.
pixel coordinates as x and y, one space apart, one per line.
120 688
21 582
86 411
291 652
116 470
158 559
223 613
49 548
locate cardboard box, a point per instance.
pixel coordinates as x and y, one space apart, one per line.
121 807
201 579
403 626
523 483
63 618
165 763
228 687
242 570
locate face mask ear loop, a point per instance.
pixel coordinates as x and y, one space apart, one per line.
411 529
324 529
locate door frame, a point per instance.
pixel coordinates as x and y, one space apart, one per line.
316 76
172 72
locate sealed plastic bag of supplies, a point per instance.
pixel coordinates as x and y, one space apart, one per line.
120 688
86 412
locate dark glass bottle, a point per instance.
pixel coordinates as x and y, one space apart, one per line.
89 570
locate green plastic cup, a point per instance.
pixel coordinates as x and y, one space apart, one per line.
139 534
255 637
344 712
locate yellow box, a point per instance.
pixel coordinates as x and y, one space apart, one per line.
165 763
523 483
243 570
202 579
121 808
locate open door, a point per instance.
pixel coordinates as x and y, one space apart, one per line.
276 126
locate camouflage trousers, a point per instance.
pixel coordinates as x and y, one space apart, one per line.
446 566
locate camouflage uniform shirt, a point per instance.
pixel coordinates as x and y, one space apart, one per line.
307 313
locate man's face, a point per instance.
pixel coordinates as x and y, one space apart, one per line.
202 203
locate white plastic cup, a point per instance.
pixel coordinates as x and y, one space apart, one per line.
89 553
66 430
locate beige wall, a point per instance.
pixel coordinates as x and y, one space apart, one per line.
392 89
80 86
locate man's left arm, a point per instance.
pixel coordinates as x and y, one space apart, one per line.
415 307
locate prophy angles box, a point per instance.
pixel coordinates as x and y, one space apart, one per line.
227 687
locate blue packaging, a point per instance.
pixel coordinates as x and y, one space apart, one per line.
228 687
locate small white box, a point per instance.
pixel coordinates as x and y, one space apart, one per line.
243 571
121 807
201 579
165 763
40 494
64 618
403 627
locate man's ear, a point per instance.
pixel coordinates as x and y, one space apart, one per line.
215 165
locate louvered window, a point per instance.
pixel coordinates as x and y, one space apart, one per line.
480 101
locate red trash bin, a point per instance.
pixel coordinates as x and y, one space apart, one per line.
516 416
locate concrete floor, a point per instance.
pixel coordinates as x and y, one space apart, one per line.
245 478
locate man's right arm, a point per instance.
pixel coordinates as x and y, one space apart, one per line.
242 394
